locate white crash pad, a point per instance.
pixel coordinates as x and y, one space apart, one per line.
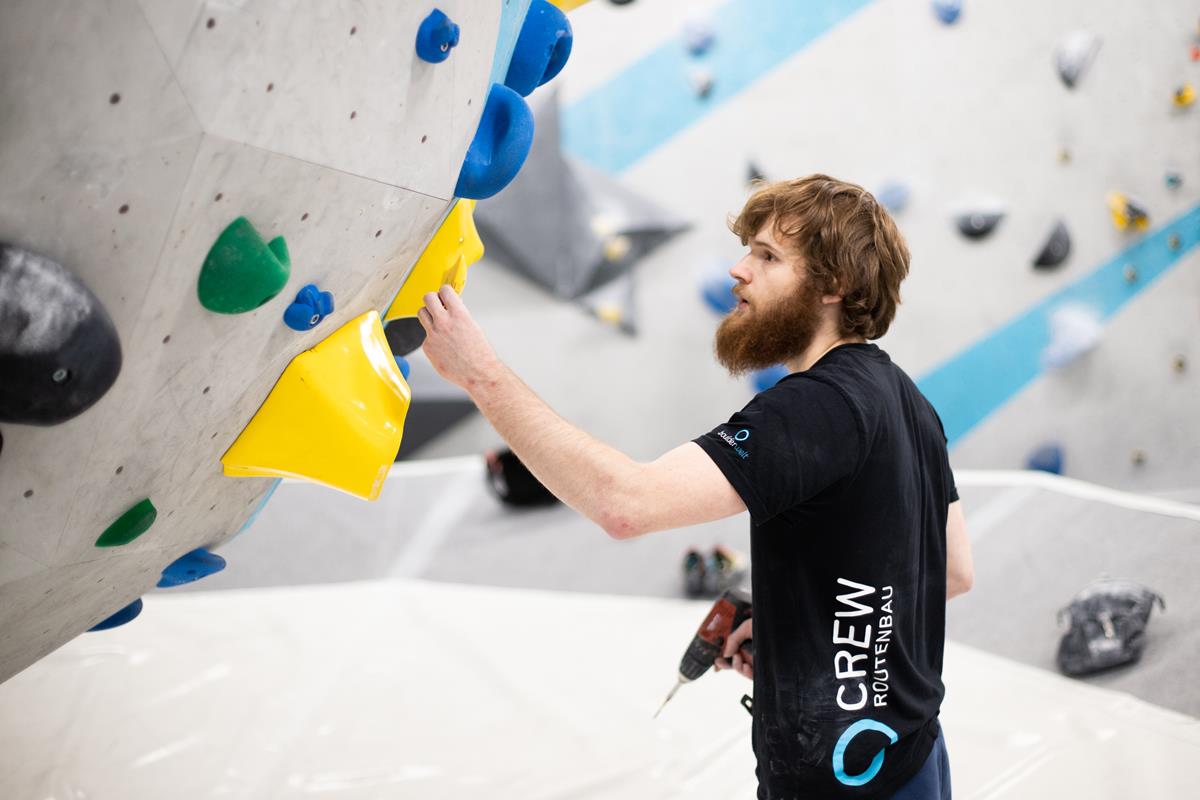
425 690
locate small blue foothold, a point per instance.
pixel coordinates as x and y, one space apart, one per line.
436 37
191 567
893 197
542 48
718 293
1174 179
126 614
309 308
766 378
1047 458
948 11
403 364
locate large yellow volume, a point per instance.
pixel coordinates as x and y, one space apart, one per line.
454 247
334 417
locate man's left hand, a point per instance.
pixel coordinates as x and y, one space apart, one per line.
454 343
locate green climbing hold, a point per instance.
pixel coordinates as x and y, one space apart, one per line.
130 525
241 272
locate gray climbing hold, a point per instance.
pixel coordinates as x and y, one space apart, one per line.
1073 56
978 224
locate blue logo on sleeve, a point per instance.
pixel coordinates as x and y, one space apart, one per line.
732 441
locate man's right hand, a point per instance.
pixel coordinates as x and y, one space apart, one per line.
744 666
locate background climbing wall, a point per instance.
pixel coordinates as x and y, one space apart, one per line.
874 92
134 132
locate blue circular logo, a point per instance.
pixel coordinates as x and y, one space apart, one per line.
742 435
839 752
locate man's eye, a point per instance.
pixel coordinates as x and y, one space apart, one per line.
768 256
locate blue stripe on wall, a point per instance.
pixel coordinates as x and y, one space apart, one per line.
982 378
652 100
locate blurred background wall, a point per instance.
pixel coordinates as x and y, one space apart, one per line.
967 116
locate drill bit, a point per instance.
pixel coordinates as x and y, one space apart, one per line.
670 694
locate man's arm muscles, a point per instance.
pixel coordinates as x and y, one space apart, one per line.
624 497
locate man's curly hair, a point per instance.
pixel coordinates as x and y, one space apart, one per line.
849 243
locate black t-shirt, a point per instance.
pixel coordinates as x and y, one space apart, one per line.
845 473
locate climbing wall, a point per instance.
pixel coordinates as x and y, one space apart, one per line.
148 147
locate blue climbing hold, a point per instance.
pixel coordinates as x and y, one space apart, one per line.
309 308
542 48
403 365
718 294
191 567
126 614
766 378
500 146
948 11
893 196
436 37
1047 458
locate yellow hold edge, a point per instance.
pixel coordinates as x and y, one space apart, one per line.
335 417
568 5
1118 207
454 247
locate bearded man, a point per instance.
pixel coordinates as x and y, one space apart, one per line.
857 534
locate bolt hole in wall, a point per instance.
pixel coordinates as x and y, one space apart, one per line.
114 98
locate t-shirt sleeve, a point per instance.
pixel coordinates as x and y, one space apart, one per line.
951 487
787 445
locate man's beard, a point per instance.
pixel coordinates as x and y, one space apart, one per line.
757 338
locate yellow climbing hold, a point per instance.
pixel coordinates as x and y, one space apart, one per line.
334 417
454 247
1127 213
1185 95
568 5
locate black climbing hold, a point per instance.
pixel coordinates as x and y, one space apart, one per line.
126 614
1056 249
513 483
59 350
978 224
436 37
754 174
404 335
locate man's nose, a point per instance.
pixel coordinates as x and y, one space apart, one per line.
740 272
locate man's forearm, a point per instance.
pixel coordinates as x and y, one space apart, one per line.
589 476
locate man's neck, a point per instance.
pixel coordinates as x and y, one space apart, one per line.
821 344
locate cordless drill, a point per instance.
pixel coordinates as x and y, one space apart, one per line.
731 610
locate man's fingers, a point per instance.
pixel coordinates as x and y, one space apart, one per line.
433 302
450 298
425 320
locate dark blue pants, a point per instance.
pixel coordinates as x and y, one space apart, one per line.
933 781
